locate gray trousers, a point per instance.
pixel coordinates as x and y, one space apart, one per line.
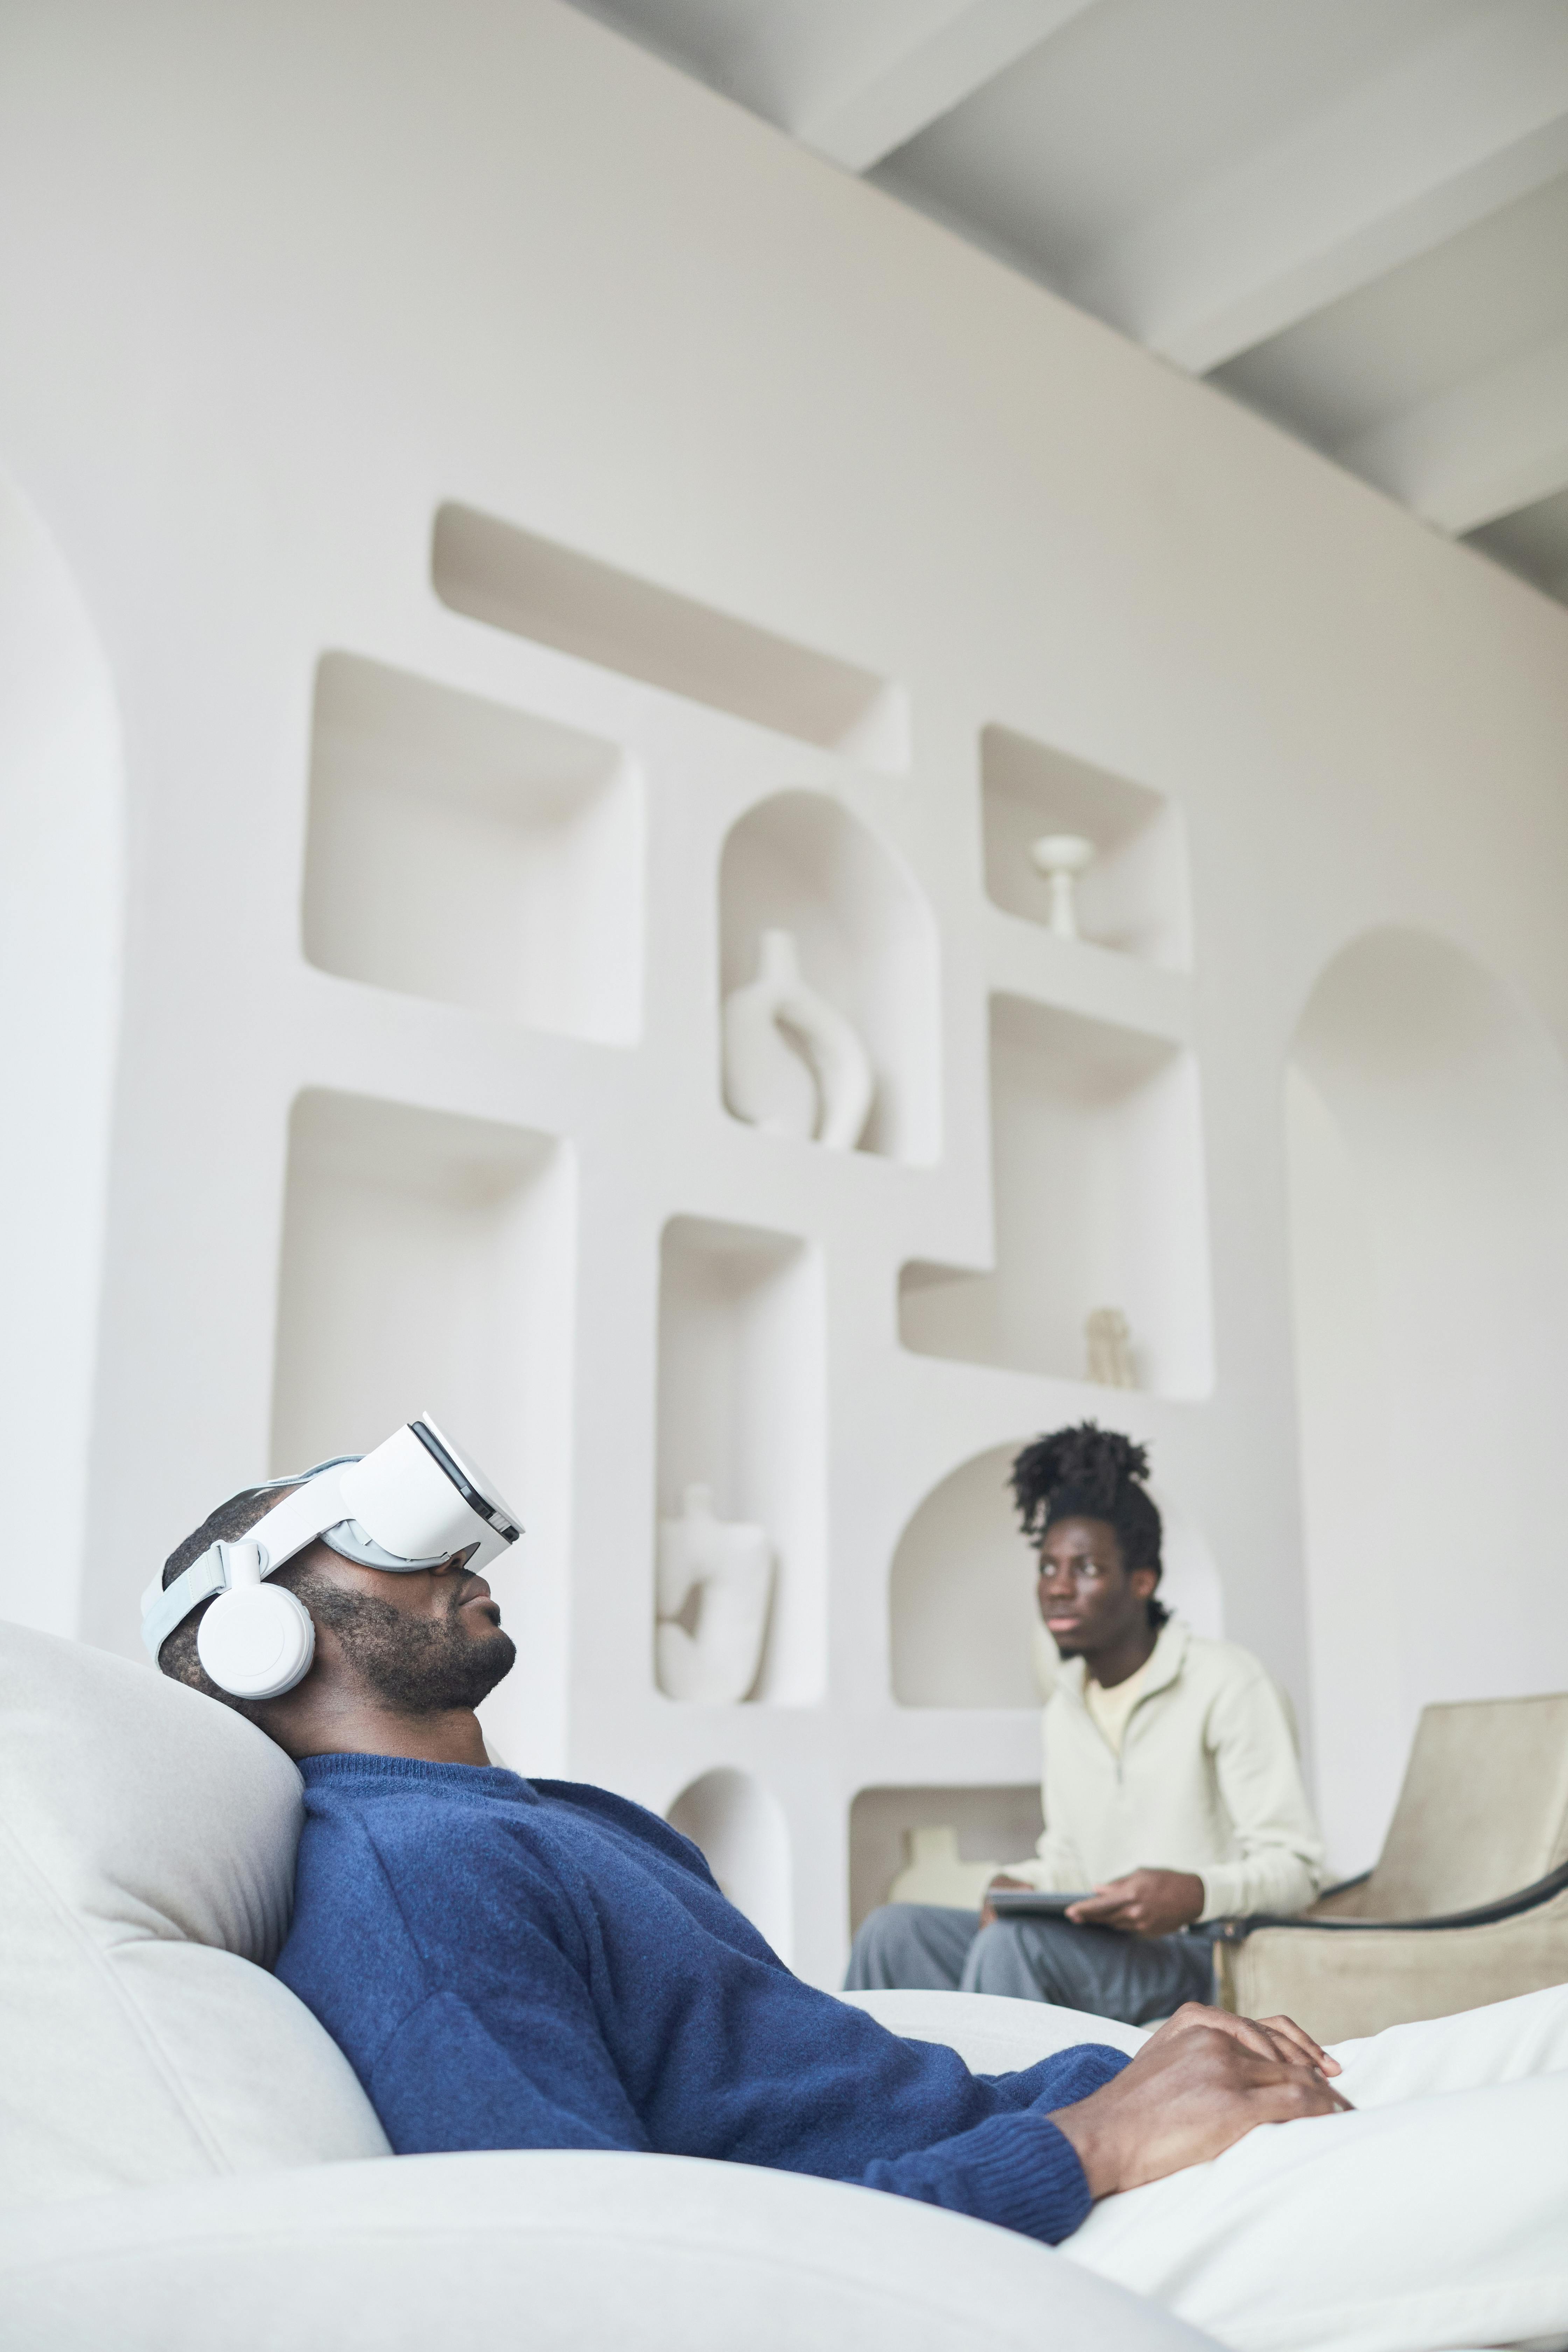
1135 1978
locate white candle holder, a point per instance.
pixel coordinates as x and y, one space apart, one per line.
1062 858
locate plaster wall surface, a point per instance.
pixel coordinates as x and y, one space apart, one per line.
283 285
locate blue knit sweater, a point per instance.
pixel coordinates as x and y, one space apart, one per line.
517 1964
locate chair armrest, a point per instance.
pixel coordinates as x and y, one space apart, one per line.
543 2251
1344 1978
1483 1915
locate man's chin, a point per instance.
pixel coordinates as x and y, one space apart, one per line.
494 1656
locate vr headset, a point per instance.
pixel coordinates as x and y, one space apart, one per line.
413 1503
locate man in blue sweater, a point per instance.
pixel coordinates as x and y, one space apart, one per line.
516 1964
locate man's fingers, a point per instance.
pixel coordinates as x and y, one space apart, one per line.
1287 2029
1096 1909
1257 2038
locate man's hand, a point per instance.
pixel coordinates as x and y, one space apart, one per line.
1143 1903
1199 2084
987 1909
1267 2037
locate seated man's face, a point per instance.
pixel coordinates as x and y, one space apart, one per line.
423 1643
1086 1599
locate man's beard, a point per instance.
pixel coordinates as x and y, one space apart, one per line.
418 1665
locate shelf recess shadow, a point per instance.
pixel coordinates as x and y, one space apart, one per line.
493 571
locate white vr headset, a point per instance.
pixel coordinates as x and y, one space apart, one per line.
413 1503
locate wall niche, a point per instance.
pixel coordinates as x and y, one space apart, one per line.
461 850
742 1412
992 1825
741 1828
427 1263
535 587
800 863
1097 1176
964 1630
1132 896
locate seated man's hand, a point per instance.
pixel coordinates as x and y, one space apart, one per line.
987 1910
1196 2087
1143 1903
1267 2037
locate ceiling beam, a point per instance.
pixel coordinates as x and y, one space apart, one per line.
1482 449
1395 167
857 128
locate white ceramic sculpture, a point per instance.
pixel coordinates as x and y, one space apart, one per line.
1062 858
793 1065
1109 1349
936 1874
715 1580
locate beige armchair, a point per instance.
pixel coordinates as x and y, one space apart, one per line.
1467 1902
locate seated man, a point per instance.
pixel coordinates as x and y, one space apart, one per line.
510 1964
1172 1786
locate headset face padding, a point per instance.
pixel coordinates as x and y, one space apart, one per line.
257 1640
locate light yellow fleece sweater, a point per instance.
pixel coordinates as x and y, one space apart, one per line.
1207 1781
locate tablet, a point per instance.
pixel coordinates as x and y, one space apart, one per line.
1029 1902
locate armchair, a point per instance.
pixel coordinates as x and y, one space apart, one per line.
1467 1903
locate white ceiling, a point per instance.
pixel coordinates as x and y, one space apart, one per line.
1352 214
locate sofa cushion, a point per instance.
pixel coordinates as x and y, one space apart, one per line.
147 1843
574 2250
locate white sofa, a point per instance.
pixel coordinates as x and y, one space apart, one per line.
186 2157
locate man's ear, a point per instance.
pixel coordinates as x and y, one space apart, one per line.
1143 1580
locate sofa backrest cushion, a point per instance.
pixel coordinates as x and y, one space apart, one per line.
147 1843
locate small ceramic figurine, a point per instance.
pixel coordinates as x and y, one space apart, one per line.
1109 1349
1062 858
715 1580
793 1065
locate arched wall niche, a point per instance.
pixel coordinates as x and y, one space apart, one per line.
963 1621
799 862
62 795
741 1827
1427 1122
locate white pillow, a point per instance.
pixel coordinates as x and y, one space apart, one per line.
147 1843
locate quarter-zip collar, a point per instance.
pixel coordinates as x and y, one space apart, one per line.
1161 1669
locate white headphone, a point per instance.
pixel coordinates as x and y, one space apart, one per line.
412 1503
256 1639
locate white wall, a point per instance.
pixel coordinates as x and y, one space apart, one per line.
62 892
281 285
1428 1126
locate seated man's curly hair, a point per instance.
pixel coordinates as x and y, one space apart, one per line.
1090 1472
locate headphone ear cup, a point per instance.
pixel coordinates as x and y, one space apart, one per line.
257 1641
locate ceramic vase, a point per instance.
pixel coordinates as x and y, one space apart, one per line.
934 1872
715 1580
793 1064
1062 858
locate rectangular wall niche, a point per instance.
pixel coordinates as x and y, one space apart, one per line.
741 1410
1097 1170
461 850
993 1824
1132 896
427 1263
534 587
